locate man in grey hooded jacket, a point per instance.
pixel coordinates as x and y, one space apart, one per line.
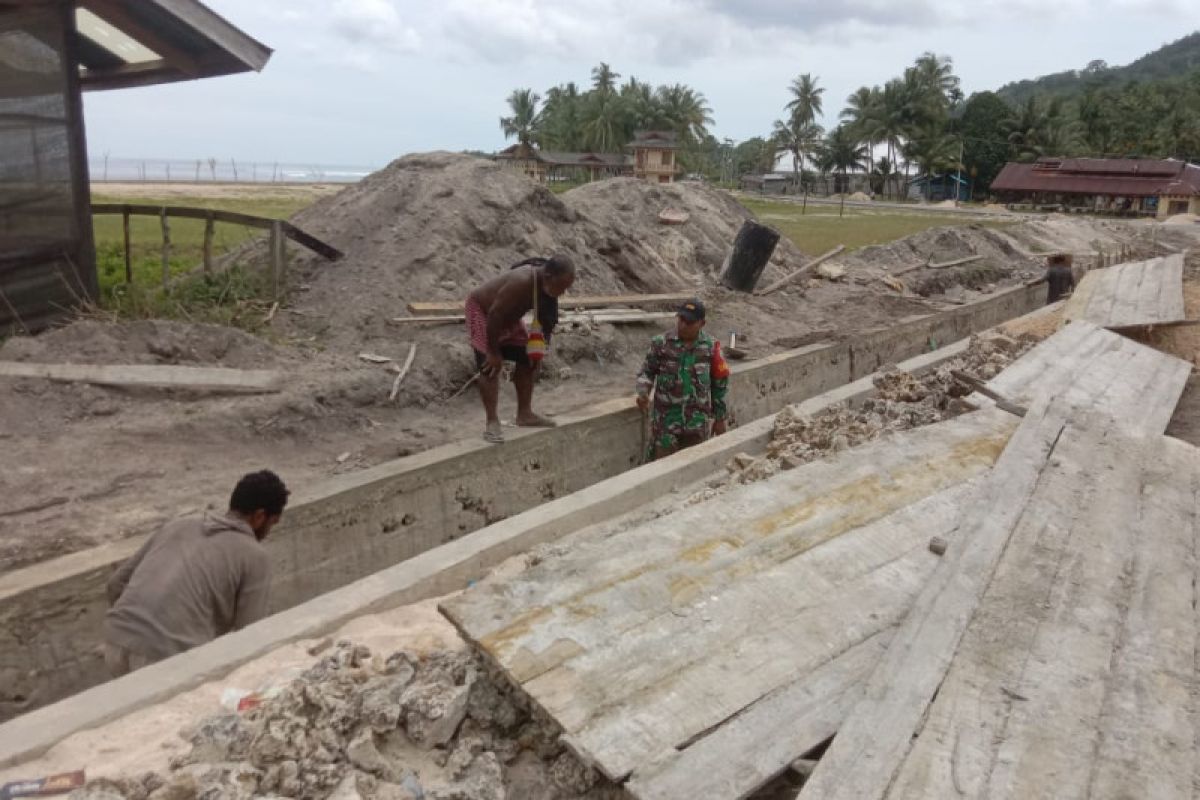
196 579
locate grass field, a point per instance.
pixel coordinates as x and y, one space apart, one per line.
820 229
222 298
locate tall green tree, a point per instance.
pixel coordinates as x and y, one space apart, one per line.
798 138
861 115
934 151
525 119
844 153
806 103
985 148
604 80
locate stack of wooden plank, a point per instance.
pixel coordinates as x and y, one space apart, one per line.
1134 295
700 654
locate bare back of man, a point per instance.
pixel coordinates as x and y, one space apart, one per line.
497 332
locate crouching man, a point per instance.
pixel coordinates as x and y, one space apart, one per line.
196 579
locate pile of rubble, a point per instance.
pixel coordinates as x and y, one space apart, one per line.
902 401
357 726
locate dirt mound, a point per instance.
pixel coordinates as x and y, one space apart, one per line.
859 197
432 226
695 250
361 726
939 245
88 341
1182 219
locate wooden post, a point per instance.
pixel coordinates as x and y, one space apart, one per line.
128 257
208 237
278 258
804 203
166 248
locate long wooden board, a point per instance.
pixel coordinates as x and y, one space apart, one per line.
631 642
1088 367
1138 294
216 379
763 740
1077 671
1127 389
568 302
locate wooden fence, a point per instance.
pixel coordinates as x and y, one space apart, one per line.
280 230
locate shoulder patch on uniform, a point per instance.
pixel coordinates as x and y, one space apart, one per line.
720 367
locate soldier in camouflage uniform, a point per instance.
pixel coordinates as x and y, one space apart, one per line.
690 379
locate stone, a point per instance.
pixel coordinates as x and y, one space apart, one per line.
223 738
97 790
381 704
572 775
363 752
433 711
831 272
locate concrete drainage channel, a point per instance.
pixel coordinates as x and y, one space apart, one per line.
424 526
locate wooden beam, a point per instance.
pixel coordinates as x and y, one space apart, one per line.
233 217
117 15
234 42
784 281
567 303
155 376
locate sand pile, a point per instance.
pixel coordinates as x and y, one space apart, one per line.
358 726
1182 219
940 245
628 208
432 226
859 197
903 401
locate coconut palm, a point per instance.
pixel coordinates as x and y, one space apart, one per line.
934 151
806 101
525 118
604 80
687 112
861 114
844 153
799 139
602 127
935 74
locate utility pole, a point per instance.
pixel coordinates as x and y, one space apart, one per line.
958 174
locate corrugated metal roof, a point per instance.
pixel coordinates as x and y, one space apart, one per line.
1115 177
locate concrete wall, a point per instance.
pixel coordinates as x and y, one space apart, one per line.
356 525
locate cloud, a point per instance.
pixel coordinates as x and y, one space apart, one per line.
373 23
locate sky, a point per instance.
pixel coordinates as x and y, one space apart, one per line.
360 82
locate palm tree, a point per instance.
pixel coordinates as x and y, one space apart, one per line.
844 153
936 76
525 119
861 114
602 125
893 120
799 139
805 104
934 151
687 111
604 80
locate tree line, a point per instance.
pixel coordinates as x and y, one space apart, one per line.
917 123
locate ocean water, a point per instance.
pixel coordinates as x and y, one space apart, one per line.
201 170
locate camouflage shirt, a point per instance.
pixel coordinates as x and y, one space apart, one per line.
689 380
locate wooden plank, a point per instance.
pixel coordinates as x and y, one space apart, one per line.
1142 293
158 376
609 317
956 262
568 303
745 586
873 741
809 267
668 563
1132 387
1070 679
762 740
1090 367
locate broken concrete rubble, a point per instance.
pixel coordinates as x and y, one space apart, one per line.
357 726
902 401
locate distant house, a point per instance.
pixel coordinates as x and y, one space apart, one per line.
935 188
654 156
770 183
1146 186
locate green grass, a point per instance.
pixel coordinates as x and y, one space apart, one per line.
820 229
235 296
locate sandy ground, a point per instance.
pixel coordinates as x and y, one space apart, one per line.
89 465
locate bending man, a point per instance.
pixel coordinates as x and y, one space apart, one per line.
498 332
196 579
